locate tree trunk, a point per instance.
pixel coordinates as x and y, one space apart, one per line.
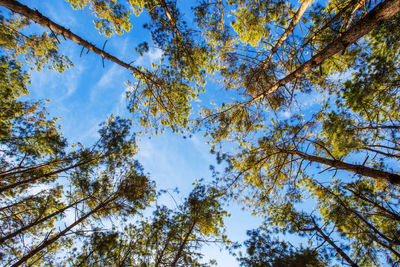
338 250
362 219
373 19
37 17
37 222
340 165
326 25
50 241
296 18
15 171
183 244
391 214
34 179
161 254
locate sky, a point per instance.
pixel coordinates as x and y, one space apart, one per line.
86 94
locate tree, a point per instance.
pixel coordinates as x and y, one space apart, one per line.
342 152
263 251
169 238
161 96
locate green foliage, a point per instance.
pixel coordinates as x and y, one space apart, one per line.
111 16
252 19
262 251
169 237
38 50
327 173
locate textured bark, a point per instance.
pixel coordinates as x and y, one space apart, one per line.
373 19
340 165
296 18
170 18
37 17
326 25
53 239
338 250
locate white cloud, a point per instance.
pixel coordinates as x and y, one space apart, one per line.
56 86
109 76
153 56
286 113
66 17
108 79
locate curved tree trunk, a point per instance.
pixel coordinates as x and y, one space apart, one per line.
384 210
53 239
296 18
37 17
340 165
183 244
338 250
37 222
373 19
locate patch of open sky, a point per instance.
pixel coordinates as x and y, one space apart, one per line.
85 95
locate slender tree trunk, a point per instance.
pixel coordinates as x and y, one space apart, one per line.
326 25
373 19
37 222
37 17
183 244
31 168
161 255
86 257
383 244
16 203
338 250
380 207
53 239
34 179
296 18
382 153
362 219
170 18
377 127
340 165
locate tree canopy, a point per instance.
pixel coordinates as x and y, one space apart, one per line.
307 126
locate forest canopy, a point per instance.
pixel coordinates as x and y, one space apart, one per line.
298 101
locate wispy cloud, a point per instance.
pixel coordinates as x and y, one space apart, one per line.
66 16
50 84
108 80
153 56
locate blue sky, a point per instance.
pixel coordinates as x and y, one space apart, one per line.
85 95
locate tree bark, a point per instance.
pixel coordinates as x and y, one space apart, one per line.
373 19
338 250
183 244
53 239
296 18
378 206
15 171
37 222
161 254
326 25
340 165
37 17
